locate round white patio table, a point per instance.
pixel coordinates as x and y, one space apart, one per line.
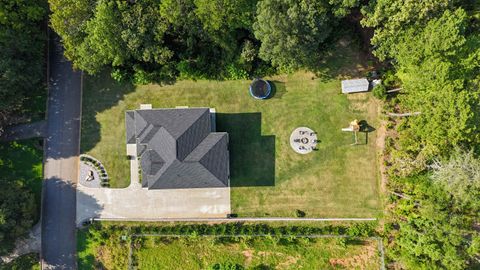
303 140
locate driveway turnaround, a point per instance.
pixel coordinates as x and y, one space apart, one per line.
137 203
58 249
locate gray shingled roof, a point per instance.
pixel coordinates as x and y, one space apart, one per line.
178 149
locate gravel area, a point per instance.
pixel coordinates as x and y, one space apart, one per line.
83 175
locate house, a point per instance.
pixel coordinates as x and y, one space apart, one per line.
354 86
178 148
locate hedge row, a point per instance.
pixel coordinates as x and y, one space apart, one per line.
364 229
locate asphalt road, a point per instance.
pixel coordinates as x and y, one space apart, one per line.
62 147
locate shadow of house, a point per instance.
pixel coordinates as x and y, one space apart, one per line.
99 94
252 156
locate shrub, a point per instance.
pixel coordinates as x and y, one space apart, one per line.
390 79
299 213
235 72
226 266
380 92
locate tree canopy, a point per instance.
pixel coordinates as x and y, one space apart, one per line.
21 53
438 66
156 41
153 40
291 31
390 18
434 227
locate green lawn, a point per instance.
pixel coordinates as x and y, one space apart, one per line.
267 177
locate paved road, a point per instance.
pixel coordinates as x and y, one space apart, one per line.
25 131
61 163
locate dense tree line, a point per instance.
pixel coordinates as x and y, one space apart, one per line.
22 39
157 41
433 47
21 54
434 226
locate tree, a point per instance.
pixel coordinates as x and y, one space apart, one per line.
391 18
17 211
438 67
341 8
379 91
460 177
430 230
153 41
21 54
291 31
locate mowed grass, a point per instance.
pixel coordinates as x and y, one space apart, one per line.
256 253
267 177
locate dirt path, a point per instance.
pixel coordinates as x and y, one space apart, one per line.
380 143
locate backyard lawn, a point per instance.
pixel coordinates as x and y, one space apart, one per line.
267 177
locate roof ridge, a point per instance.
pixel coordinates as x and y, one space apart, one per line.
189 158
214 176
193 123
209 150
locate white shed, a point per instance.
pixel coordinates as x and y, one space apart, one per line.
354 86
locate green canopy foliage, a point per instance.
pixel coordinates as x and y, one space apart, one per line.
17 211
460 177
291 31
21 52
157 41
153 41
434 226
438 66
390 18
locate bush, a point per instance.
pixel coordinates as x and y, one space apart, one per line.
380 92
390 79
226 266
235 72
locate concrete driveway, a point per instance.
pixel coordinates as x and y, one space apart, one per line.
135 202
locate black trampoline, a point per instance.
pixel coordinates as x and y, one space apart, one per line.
260 89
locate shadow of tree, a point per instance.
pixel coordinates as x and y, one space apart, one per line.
99 94
343 55
252 156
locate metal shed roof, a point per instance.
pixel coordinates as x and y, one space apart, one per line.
354 86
